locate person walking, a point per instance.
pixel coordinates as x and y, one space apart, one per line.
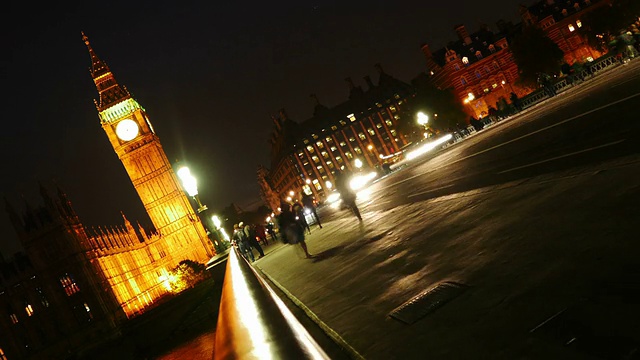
348 196
240 241
250 233
291 230
261 233
307 201
298 210
271 231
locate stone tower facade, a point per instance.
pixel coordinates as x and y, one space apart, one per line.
138 147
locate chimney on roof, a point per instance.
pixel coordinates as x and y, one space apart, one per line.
426 50
463 34
314 97
367 79
349 83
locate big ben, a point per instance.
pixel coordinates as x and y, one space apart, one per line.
138 147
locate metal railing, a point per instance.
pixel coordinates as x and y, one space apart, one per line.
595 68
253 323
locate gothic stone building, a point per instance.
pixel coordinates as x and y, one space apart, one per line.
76 285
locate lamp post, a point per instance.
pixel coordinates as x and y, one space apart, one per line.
423 120
190 185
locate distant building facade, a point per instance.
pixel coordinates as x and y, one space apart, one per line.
480 68
75 285
305 156
561 21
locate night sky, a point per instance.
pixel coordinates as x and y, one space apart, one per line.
209 75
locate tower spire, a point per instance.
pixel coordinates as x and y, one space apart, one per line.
108 89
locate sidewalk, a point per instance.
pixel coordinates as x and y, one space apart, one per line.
521 269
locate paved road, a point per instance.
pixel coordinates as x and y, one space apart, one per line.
533 223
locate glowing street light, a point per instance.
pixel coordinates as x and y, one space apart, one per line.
423 119
358 163
190 185
216 221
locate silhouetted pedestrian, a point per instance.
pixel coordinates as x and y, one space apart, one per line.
291 230
307 201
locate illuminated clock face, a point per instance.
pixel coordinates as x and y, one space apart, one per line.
127 129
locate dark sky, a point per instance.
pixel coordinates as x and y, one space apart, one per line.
209 75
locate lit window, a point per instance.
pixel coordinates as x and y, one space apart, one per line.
343 123
478 54
494 85
362 136
393 132
310 148
2 355
342 143
351 117
325 154
392 108
315 158
571 28
388 122
14 318
320 145
379 126
465 60
305 141
29 309
486 90
329 139
314 136
334 128
579 23
69 285
371 131
333 148
352 139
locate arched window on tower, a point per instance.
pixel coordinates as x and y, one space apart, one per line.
463 81
465 60
478 54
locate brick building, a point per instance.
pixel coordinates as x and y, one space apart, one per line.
305 156
478 67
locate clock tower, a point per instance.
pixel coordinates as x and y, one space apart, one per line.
138 147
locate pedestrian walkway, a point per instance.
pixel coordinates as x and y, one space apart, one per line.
516 269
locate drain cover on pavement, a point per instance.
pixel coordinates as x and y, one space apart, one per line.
427 301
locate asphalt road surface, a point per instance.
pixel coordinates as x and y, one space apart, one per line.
520 242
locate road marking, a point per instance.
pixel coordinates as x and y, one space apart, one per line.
518 138
562 156
432 190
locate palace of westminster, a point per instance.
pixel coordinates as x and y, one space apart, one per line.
75 285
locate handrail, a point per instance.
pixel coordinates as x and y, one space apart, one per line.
253 323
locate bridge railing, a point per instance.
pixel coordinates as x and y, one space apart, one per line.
254 323
600 65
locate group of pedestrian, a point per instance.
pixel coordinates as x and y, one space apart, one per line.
246 239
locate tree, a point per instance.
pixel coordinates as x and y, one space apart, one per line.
431 100
535 53
187 274
606 22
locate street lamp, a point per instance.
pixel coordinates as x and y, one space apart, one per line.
190 185
423 119
358 163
